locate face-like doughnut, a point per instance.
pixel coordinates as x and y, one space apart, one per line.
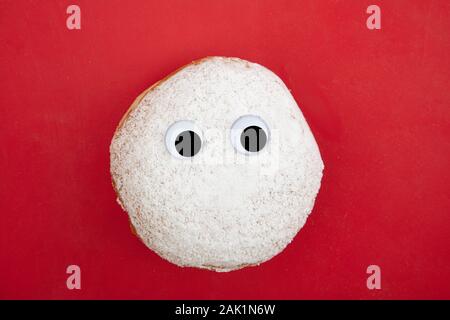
216 165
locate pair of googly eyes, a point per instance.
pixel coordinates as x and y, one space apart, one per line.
249 135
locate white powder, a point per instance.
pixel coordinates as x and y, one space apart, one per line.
220 210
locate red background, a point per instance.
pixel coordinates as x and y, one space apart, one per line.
377 102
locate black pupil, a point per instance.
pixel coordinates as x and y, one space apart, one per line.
188 143
253 139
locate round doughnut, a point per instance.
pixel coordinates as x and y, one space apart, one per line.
216 165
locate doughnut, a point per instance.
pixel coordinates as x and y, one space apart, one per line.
216 166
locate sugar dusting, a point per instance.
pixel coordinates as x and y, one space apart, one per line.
226 214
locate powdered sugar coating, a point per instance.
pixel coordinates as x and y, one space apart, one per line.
220 210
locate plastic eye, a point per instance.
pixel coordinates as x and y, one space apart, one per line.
183 139
249 134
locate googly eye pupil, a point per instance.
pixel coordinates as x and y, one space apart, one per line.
188 143
253 139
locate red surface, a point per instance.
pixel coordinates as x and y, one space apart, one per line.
377 101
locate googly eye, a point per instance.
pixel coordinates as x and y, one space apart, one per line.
183 139
249 134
